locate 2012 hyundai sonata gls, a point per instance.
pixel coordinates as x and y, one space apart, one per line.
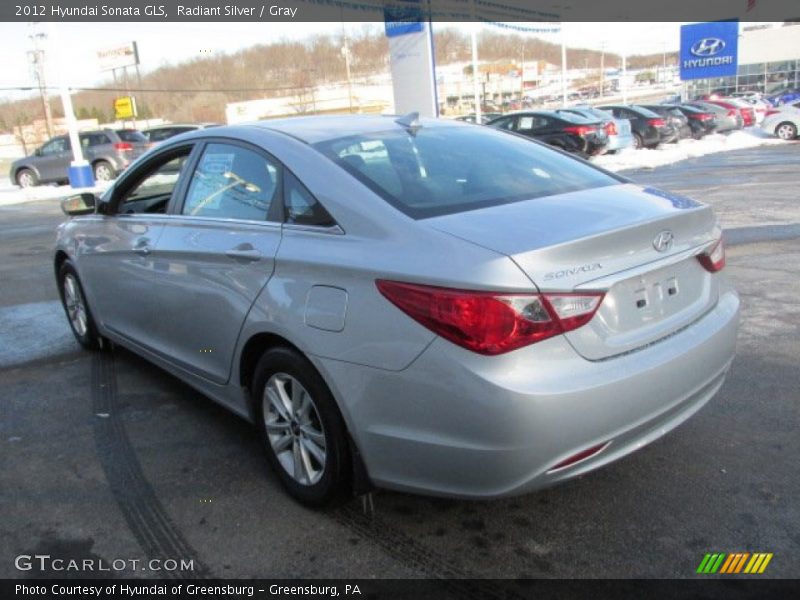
420 305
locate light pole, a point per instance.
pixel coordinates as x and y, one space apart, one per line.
563 67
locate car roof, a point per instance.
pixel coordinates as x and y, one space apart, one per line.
329 127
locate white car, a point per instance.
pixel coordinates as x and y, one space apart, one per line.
783 121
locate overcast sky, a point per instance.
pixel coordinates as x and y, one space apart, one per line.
161 43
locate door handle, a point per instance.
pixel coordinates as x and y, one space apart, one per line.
142 246
245 252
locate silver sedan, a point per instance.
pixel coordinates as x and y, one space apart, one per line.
418 305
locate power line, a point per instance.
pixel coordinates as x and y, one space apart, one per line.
156 90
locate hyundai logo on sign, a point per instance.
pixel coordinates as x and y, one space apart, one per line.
707 47
709 50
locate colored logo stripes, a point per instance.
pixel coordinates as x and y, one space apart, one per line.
736 562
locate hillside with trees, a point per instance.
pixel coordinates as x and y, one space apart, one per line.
198 90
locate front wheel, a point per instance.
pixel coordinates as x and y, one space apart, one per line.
78 314
786 131
302 431
27 178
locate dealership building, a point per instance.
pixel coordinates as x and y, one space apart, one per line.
769 60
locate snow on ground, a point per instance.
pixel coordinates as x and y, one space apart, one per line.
12 194
667 154
626 159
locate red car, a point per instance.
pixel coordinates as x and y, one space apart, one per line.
748 114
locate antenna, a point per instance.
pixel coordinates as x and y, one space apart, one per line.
410 122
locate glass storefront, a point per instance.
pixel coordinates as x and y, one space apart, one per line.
768 78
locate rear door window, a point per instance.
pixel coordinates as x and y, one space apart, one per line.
232 182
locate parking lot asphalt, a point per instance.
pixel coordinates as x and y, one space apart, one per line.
105 456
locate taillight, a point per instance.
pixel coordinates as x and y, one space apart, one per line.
580 129
713 260
656 122
611 128
771 111
491 322
123 146
702 117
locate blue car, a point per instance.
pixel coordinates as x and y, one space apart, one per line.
784 97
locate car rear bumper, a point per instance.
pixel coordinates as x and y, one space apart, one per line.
458 424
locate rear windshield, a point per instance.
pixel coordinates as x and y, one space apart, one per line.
444 170
131 135
647 113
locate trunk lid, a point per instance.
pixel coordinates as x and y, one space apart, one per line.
605 239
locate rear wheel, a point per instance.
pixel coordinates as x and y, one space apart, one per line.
78 314
103 171
638 142
27 178
786 131
302 431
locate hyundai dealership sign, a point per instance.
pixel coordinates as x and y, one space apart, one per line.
709 50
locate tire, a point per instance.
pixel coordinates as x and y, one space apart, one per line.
638 142
103 171
77 309
26 178
786 131
612 152
301 429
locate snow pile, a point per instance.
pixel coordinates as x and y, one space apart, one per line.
667 154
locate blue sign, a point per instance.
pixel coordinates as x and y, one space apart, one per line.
709 50
400 21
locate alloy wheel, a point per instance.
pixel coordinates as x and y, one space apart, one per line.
25 179
76 309
786 131
102 172
294 428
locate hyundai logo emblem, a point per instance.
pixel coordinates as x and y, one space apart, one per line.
707 47
663 241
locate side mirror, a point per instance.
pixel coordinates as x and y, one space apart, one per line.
80 204
37 152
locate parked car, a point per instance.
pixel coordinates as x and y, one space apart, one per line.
109 151
783 121
785 96
160 133
728 119
421 305
649 129
619 131
675 117
760 107
472 117
747 112
702 122
567 131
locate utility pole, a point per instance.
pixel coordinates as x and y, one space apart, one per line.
563 68
602 68
346 53
36 57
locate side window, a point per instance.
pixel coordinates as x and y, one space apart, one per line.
152 191
301 207
231 182
531 123
507 123
55 146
